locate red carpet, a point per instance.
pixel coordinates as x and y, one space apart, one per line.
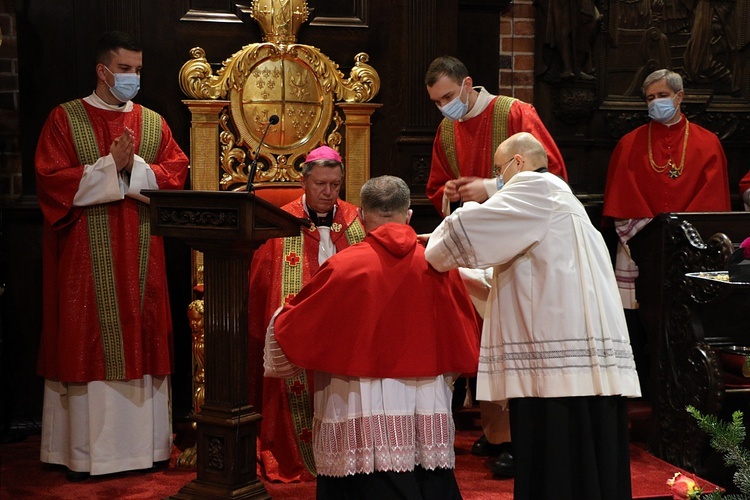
22 476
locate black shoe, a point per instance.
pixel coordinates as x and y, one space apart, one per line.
77 477
503 465
157 466
483 448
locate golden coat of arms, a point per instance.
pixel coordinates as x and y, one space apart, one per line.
278 76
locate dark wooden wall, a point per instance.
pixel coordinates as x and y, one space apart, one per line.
585 116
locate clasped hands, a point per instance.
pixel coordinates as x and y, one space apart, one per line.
122 150
466 189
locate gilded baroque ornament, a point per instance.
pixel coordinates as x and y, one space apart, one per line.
295 82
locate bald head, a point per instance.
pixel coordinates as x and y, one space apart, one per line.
518 153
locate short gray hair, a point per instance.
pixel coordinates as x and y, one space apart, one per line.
674 80
386 195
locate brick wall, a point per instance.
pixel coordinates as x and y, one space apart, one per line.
517 51
10 156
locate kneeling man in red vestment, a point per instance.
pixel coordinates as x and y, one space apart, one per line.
382 425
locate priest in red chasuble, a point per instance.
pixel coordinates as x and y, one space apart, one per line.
383 424
475 124
279 269
106 344
669 164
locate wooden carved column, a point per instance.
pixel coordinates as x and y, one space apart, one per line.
357 153
226 423
204 155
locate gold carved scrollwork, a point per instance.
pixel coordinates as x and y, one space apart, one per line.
361 86
274 168
295 82
363 83
188 457
334 138
197 79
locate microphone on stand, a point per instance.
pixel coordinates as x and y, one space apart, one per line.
273 120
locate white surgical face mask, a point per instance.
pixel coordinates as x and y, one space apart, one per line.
126 85
662 109
456 109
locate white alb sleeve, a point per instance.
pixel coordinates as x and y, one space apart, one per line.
275 362
141 177
100 183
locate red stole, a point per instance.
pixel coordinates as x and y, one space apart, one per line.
279 270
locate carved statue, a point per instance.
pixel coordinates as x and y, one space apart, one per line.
195 314
711 55
570 27
670 16
633 14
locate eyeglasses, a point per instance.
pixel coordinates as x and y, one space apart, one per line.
505 165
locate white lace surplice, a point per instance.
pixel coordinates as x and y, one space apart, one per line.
363 425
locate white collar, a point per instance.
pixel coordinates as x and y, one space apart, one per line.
304 206
483 100
675 123
98 102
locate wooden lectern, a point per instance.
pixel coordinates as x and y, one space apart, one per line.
227 227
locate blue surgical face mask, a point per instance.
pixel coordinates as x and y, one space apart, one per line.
456 109
126 85
662 109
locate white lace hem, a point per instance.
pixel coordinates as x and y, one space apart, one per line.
384 443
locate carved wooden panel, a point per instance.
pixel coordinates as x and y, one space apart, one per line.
213 11
687 321
340 13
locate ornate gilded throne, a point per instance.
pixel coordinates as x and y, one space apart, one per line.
231 111
315 103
